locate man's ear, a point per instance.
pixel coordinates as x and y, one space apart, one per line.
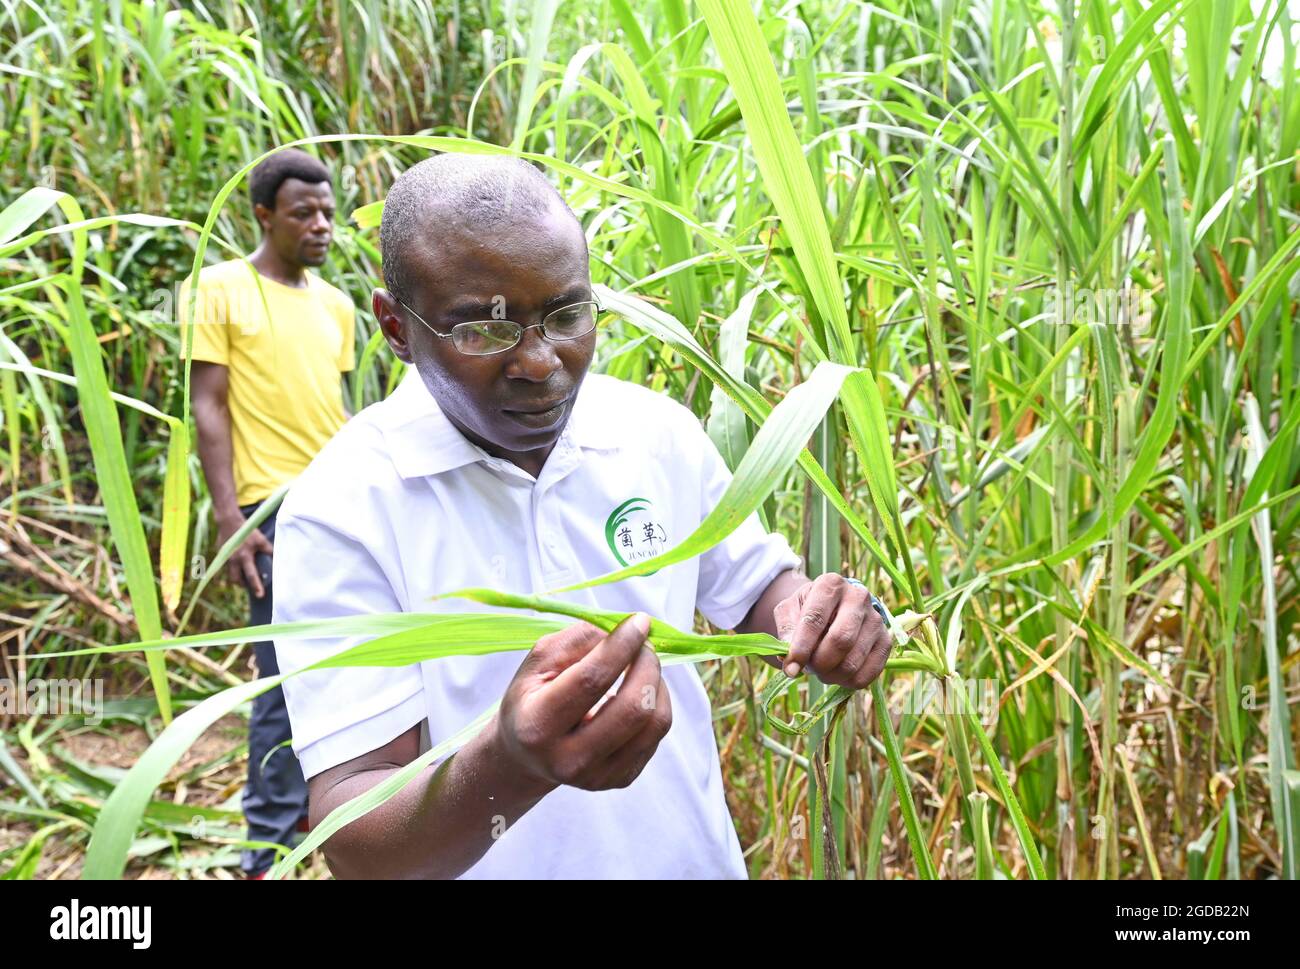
386 311
263 216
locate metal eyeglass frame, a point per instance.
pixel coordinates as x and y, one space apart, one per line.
597 309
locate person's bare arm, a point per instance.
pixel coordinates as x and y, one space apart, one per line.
438 825
762 614
209 389
543 736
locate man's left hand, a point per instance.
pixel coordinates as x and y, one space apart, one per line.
833 630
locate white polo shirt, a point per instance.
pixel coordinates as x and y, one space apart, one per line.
399 507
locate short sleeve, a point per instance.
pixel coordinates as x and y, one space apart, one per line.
336 715
347 315
211 323
736 571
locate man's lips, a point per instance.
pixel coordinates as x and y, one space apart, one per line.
539 415
540 407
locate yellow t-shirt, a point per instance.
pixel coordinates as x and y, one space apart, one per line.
285 396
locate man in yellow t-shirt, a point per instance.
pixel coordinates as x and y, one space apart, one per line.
271 340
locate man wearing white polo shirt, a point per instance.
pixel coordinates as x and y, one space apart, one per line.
498 461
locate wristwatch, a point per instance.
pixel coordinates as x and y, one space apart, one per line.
876 604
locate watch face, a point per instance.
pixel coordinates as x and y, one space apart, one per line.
264 568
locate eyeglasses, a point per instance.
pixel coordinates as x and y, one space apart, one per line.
481 338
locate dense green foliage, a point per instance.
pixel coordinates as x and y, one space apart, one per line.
1072 439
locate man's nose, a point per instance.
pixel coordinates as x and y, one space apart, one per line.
534 358
322 223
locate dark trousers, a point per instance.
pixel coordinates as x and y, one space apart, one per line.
275 796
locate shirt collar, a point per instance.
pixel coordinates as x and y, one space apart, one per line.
421 441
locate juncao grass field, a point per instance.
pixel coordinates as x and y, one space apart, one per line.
990 303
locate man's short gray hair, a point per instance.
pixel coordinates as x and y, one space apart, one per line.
476 192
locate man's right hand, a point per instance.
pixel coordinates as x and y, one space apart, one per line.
242 564
541 738
544 726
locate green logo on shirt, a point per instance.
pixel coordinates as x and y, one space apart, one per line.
633 534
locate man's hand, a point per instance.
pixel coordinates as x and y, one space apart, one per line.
242 564
833 630
545 724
